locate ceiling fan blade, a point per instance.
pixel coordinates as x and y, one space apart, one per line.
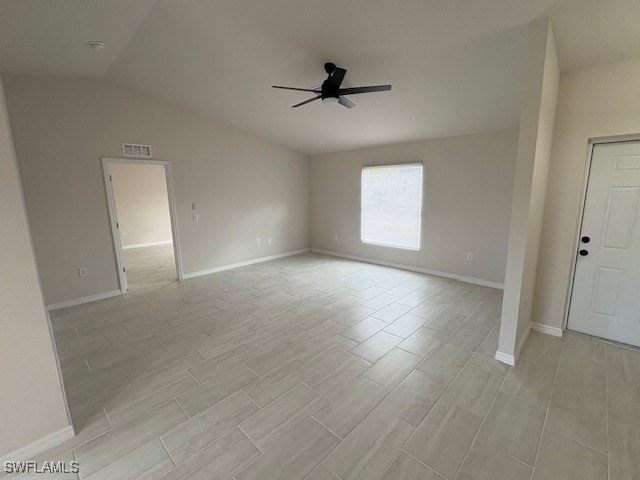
337 76
314 90
307 101
345 102
373 88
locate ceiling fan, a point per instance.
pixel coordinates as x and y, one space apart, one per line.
330 91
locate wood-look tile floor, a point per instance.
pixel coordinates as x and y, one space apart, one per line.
312 367
149 267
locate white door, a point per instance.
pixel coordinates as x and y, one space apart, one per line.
605 300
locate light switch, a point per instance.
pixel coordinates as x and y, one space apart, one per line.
196 217
194 206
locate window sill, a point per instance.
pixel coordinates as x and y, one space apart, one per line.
397 247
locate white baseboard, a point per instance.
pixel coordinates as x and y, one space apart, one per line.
150 244
45 443
101 296
505 358
542 328
401 266
538 327
511 359
245 263
79 301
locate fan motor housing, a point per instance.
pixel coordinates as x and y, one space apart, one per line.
329 90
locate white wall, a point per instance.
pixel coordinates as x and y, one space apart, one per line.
246 187
534 150
32 401
141 202
467 199
595 102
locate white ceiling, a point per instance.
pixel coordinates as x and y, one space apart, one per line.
455 65
50 36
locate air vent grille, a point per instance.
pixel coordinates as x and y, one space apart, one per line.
136 150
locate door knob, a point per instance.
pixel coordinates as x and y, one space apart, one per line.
583 252
585 239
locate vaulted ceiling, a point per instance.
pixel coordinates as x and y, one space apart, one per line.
456 66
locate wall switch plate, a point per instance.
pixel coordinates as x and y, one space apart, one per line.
82 271
257 241
469 256
196 217
269 241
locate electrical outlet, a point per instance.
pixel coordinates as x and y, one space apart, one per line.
469 256
258 242
196 217
269 241
82 271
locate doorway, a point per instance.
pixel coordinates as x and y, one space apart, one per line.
142 217
605 297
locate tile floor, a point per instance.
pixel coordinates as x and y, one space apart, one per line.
149 267
312 367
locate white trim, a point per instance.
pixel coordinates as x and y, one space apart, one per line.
538 327
542 328
511 359
113 222
113 216
45 443
148 244
401 266
173 215
244 263
79 301
505 358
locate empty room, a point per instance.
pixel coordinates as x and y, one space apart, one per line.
320 240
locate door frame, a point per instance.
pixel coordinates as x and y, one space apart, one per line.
111 207
585 185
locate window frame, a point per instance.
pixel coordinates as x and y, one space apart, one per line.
420 207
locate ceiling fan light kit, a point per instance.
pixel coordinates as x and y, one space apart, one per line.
330 100
330 91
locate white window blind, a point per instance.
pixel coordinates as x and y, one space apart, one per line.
391 205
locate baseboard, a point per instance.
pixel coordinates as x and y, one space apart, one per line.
402 266
505 358
45 443
101 296
245 263
542 328
511 359
79 301
150 244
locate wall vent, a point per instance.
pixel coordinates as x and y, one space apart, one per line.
136 150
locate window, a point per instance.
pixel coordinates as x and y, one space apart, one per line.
391 205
